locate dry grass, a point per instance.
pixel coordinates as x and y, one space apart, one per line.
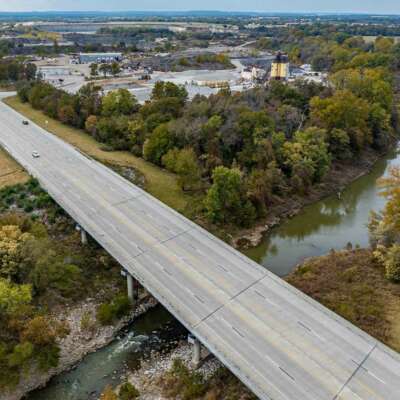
11 172
351 284
160 183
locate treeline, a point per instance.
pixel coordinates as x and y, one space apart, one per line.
334 50
246 150
12 70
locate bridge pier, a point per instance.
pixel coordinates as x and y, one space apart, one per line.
84 239
83 236
129 281
133 287
196 354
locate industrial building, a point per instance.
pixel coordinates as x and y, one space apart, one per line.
99 58
280 68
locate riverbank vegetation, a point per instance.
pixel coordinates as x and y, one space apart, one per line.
245 152
43 267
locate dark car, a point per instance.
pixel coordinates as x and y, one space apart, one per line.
25 122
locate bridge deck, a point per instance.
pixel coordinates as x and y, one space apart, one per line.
280 343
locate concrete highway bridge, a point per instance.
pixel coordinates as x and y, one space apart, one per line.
280 343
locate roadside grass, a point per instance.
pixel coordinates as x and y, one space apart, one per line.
354 286
11 173
158 182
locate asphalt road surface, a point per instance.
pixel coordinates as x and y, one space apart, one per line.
279 342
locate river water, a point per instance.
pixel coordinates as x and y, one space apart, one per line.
330 223
155 330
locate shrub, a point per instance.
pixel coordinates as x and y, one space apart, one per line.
183 382
119 307
128 392
105 314
392 263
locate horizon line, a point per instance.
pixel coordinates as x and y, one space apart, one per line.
368 13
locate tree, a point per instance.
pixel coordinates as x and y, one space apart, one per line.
11 240
91 124
392 263
226 201
158 144
391 186
163 90
184 163
12 297
119 102
94 69
115 68
67 115
384 228
105 69
344 111
307 156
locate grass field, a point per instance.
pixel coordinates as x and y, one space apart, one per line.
353 285
11 172
160 183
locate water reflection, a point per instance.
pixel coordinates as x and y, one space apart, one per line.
330 223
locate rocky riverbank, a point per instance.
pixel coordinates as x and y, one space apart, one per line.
152 370
85 337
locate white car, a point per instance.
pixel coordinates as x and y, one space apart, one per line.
35 154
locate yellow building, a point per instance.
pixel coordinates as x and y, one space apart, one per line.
280 68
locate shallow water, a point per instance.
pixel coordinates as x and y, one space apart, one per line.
156 329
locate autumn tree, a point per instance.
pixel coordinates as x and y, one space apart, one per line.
345 111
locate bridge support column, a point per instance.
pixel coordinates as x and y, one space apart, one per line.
196 357
129 281
83 236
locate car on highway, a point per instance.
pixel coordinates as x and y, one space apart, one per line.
25 122
35 154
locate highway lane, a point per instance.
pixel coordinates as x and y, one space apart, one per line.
279 342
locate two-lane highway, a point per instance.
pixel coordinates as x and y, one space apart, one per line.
279 342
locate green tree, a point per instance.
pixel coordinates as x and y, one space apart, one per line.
184 163
158 144
119 102
12 296
94 69
105 69
163 90
226 201
307 156
115 69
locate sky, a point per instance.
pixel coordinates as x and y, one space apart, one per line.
364 6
